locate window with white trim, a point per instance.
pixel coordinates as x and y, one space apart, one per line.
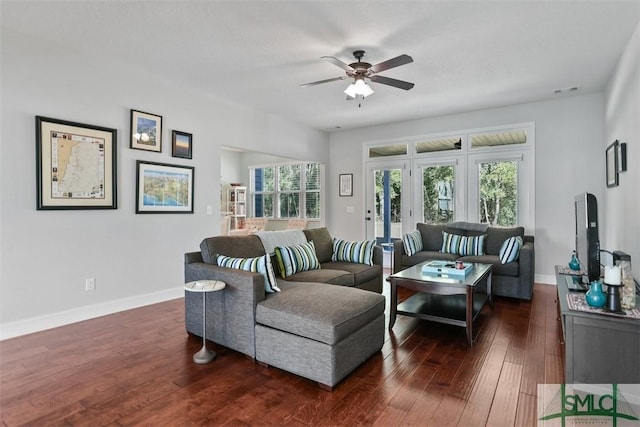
286 191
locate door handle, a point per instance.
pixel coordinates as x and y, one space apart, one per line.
368 218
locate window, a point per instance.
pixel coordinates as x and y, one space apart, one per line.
438 186
286 191
498 193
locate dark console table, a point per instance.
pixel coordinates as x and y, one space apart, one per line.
598 349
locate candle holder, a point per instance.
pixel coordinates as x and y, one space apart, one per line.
613 297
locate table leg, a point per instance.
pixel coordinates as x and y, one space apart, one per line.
204 355
393 306
469 317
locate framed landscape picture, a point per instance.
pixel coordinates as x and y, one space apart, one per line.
163 188
181 143
75 165
146 131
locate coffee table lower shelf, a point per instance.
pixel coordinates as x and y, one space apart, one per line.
449 309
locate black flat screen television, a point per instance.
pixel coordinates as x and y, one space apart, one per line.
587 241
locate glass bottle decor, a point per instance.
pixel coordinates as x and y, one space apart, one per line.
595 297
628 297
574 264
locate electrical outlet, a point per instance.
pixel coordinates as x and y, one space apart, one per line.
90 284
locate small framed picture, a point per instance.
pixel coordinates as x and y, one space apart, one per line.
75 165
146 131
611 155
181 143
163 188
346 185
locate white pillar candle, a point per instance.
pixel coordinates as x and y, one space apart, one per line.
612 275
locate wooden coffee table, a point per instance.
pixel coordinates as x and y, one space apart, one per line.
441 298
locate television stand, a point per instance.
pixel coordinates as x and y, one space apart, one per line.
598 349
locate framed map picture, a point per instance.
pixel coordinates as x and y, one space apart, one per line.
75 165
163 188
146 131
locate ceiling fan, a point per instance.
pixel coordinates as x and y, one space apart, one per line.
360 71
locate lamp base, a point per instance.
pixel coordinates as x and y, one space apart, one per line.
204 356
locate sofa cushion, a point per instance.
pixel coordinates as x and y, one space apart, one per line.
320 312
510 249
358 252
498 268
462 245
323 242
232 246
361 273
293 259
431 236
324 275
497 235
260 264
412 242
427 256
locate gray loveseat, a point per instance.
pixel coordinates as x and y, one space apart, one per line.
513 279
322 325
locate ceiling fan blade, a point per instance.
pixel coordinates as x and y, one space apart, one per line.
391 63
339 63
401 84
319 82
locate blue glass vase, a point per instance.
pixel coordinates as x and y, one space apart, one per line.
595 297
574 264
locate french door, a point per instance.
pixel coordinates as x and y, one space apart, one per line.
388 200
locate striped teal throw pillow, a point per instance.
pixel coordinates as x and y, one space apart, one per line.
462 245
293 259
358 252
510 249
412 242
261 264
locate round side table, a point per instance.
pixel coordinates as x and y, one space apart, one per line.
204 355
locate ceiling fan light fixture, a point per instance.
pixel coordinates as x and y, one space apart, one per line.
359 87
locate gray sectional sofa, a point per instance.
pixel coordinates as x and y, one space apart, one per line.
322 325
513 279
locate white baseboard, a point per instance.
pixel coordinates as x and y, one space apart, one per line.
545 279
53 320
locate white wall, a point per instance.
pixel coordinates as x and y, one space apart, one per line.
622 122
569 160
45 256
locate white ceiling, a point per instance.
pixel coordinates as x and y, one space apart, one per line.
467 55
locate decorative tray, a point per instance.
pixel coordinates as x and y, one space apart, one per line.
446 268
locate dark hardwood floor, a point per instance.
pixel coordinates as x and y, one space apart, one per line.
135 368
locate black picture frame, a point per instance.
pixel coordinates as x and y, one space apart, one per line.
76 165
345 185
622 157
611 162
146 131
164 188
181 144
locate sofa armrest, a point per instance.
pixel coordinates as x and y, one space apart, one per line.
230 312
527 260
398 251
378 255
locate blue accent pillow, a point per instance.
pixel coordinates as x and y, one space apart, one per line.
358 252
261 264
510 249
293 259
412 242
462 245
